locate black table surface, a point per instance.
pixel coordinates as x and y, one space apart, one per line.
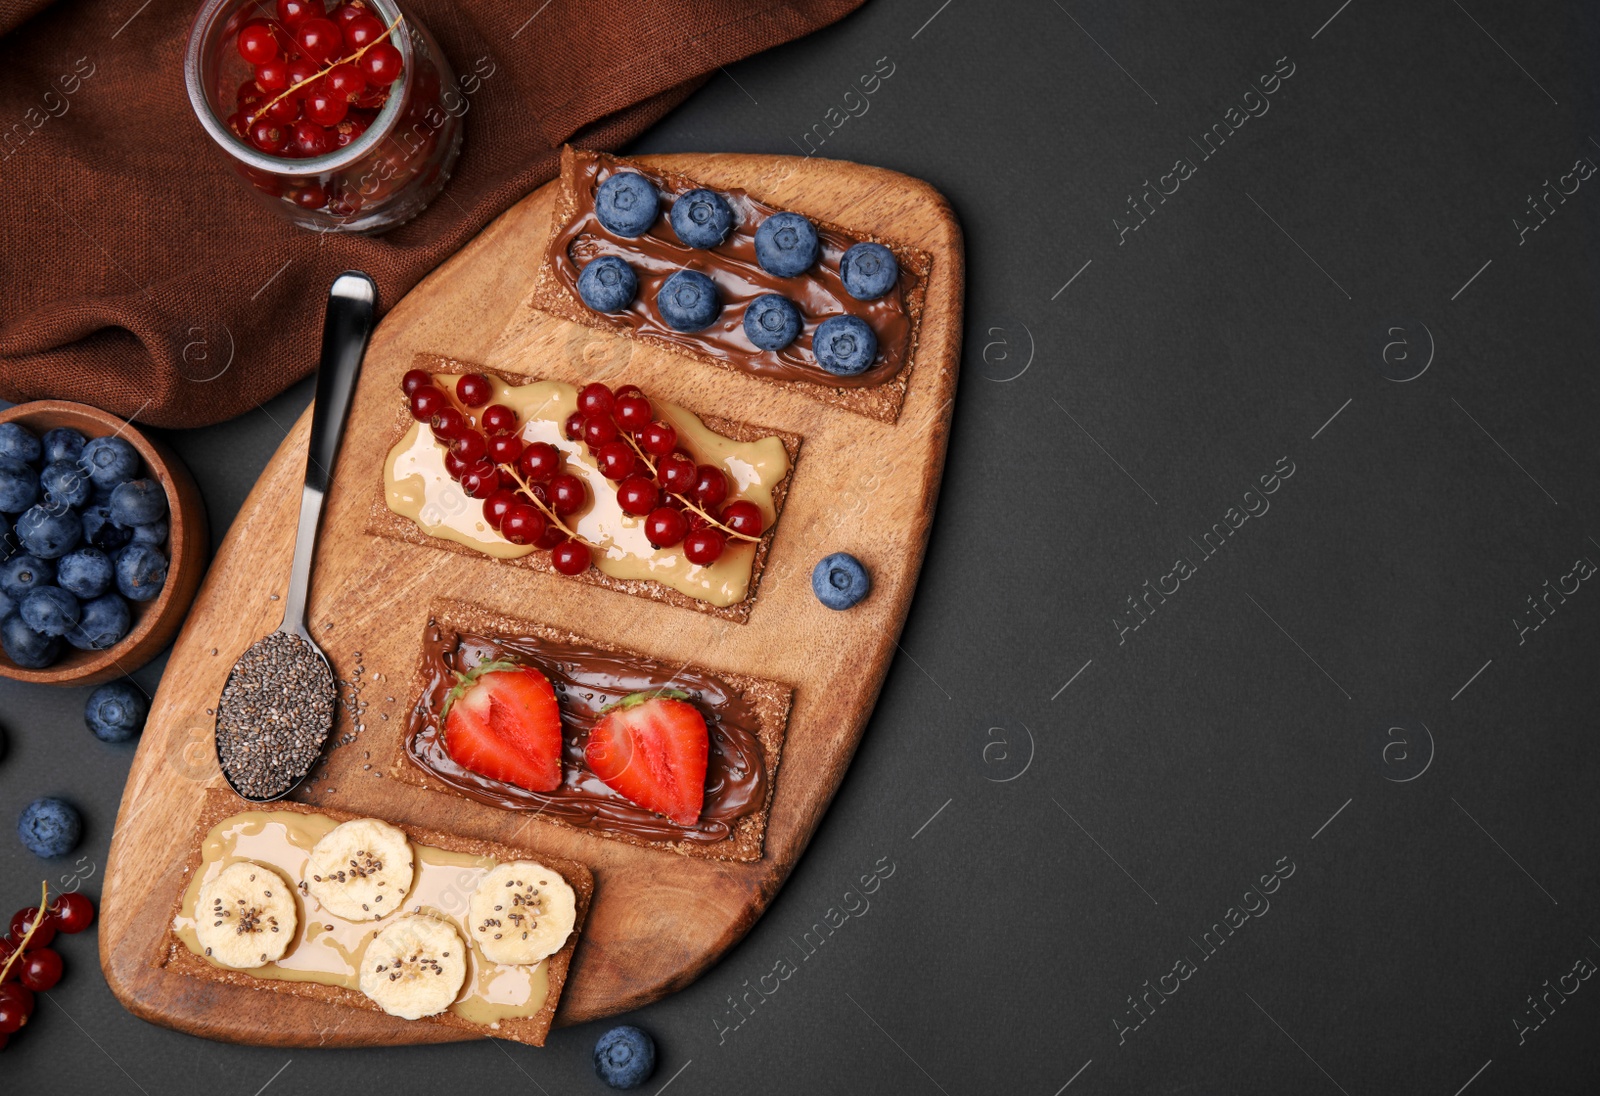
1162 796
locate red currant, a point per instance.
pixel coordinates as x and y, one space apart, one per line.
72 912
595 400
272 76
41 970
426 401
283 110
496 506
633 412
373 99
23 918
345 82
324 107
319 39
567 494
505 448
309 139
703 546
345 14
599 429
573 427
629 390
360 30
16 1005
743 516
523 524
302 69
474 390
679 474
257 43
311 196
269 136
658 438
480 480
638 495
294 12
381 64
499 419
570 558
664 526
448 423
616 460
553 535
346 201
239 126
539 461
455 466
471 446
415 379
710 486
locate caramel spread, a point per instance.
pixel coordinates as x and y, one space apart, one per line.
327 948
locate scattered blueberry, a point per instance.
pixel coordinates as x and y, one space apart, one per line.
625 1057
688 301
102 623
50 610
141 572
49 827
19 485
19 574
100 531
64 484
627 203
110 461
63 443
49 532
844 345
702 218
138 502
115 712
839 581
85 573
786 245
151 532
27 648
608 284
869 271
772 322
19 443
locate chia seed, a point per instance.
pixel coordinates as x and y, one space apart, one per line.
274 714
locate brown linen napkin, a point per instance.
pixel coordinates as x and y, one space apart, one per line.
135 265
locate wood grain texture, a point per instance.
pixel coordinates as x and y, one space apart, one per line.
658 920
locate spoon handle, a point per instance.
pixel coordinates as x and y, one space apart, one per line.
352 307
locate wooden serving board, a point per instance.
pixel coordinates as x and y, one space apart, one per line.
659 919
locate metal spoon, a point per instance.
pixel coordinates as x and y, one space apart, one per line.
277 707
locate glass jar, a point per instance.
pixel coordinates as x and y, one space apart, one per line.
384 174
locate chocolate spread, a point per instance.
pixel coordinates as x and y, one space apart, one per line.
658 254
587 680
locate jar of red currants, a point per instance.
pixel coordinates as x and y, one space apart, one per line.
342 118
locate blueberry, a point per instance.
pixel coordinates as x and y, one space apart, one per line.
50 531
8 540
627 203
19 574
844 345
110 461
839 581
115 712
688 301
625 1057
63 443
869 271
27 648
50 610
85 573
19 443
138 502
8 604
100 531
64 484
102 623
151 532
19 485
50 827
772 322
608 284
141 572
701 218
786 245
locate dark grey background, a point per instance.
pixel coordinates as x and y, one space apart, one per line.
1245 721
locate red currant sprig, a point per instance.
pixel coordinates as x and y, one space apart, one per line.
317 50
24 949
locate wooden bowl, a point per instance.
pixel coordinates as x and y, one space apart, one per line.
154 622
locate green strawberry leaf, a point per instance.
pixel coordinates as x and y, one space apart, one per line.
468 680
633 700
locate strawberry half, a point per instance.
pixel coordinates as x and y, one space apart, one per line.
502 721
651 748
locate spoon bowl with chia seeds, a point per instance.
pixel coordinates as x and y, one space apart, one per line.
277 706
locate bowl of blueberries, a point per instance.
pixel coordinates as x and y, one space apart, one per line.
102 544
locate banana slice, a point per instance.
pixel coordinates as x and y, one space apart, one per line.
415 967
360 870
521 912
245 917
